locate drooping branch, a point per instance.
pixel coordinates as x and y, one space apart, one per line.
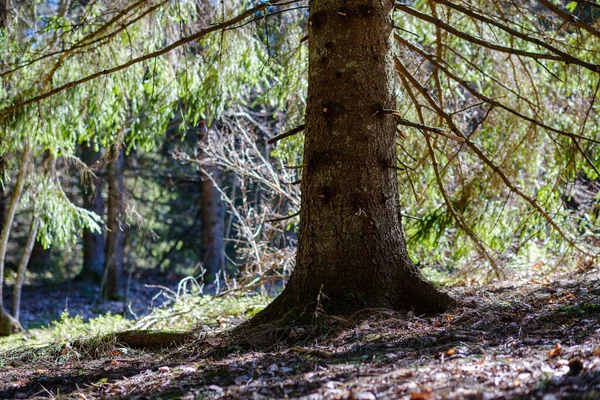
195 36
483 157
515 33
508 50
486 99
438 177
91 38
88 42
569 17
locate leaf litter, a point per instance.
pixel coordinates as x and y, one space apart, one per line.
533 339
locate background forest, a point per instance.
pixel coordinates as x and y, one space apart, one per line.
160 143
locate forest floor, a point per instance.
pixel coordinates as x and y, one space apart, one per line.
536 338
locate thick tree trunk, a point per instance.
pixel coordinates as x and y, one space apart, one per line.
351 252
211 209
113 270
94 244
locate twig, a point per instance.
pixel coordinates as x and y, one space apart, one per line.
284 218
289 133
405 122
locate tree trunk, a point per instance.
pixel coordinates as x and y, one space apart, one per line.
94 244
27 250
5 6
8 324
2 191
211 208
113 270
38 257
351 251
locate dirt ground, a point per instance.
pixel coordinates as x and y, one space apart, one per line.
536 339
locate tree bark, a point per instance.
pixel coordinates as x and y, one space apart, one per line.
351 251
211 209
8 324
27 250
94 243
2 192
39 258
113 270
5 6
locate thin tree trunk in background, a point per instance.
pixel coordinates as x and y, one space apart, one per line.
27 250
112 281
351 251
2 191
39 258
8 324
212 209
94 243
4 24
5 6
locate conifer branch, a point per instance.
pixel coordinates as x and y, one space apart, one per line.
482 156
198 35
284 135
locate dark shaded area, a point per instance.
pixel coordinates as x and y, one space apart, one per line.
501 344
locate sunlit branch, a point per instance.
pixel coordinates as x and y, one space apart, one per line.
515 33
92 38
569 17
195 36
429 57
457 217
503 49
480 153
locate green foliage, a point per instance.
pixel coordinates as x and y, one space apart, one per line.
571 6
188 311
540 163
60 219
70 327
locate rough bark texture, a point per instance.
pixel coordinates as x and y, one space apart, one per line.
94 243
211 208
113 270
351 251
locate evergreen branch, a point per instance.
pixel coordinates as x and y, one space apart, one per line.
195 36
284 135
431 58
570 17
438 177
480 153
89 39
513 32
508 50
